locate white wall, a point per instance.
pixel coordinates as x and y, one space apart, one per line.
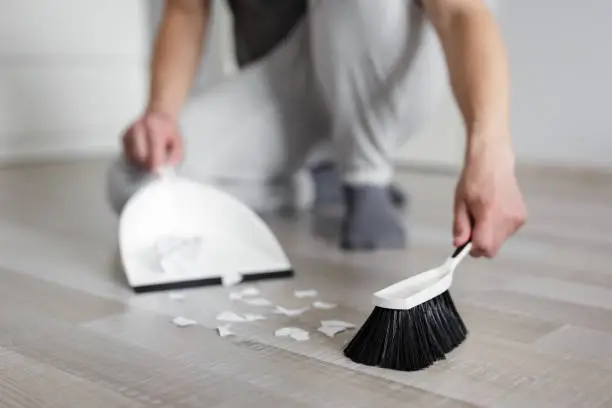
561 64
562 79
73 73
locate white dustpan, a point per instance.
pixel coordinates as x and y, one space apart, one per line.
231 239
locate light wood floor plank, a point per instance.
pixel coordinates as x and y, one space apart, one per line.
28 383
72 334
25 293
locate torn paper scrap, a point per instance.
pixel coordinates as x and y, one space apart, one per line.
324 305
228 316
249 292
294 332
231 279
331 331
253 317
179 262
300 335
176 296
183 322
337 323
225 331
285 331
305 293
235 296
290 312
257 302
179 255
168 243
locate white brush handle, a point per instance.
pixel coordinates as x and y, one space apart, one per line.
420 288
459 254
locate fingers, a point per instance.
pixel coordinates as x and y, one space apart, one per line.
462 227
153 142
135 144
493 227
175 150
157 150
484 241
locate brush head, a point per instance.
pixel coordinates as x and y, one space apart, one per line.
408 339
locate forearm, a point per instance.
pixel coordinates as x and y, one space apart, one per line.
478 68
177 53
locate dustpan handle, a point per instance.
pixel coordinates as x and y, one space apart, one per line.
166 172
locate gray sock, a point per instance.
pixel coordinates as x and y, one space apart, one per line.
370 221
327 184
328 188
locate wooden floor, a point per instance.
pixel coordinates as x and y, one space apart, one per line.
73 335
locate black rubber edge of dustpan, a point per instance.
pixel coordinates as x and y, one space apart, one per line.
212 281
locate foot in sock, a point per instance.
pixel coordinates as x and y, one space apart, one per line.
328 187
370 221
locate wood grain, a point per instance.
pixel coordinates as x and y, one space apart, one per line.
73 334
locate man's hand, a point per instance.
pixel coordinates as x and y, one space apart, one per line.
489 206
153 141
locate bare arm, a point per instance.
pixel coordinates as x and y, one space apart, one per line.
177 53
489 206
478 66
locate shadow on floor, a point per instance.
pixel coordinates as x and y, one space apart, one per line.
326 227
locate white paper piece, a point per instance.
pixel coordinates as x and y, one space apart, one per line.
231 279
284 331
301 335
225 331
183 322
257 302
180 255
331 331
290 312
294 332
337 323
253 317
176 296
235 296
249 292
168 243
324 305
305 293
229 316
179 262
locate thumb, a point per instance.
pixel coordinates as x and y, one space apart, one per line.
462 227
157 149
137 144
175 150
484 236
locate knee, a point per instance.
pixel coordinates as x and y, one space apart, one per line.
122 182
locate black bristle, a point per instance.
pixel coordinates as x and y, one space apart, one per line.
408 340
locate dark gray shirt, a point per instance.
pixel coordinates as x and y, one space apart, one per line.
259 25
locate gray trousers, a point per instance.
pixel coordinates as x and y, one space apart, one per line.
351 83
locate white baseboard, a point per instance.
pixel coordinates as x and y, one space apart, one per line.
59 147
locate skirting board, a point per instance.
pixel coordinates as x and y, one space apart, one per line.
63 150
65 154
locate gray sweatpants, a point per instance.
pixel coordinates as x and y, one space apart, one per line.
352 81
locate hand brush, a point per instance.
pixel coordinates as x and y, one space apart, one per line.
414 322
